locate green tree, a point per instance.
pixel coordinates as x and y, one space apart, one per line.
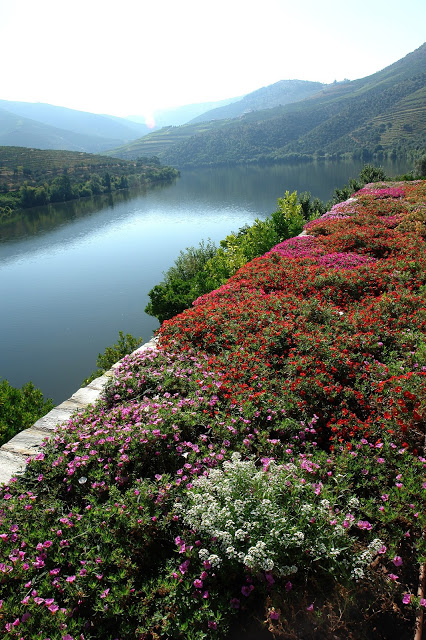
106 181
61 189
420 167
288 219
20 408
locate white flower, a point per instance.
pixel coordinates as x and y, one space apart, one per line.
214 560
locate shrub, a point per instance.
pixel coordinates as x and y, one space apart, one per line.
20 408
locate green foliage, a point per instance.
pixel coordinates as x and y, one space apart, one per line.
191 261
368 173
312 207
34 177
20 408
288 219
169 298
125 344
183 282
420 167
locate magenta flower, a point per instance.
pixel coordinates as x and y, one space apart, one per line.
393 577
246 590
198 584
274 615
406 598
184 567
397 561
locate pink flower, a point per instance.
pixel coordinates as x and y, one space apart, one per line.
310 608
406 598
184 567
70 579
274 615
246 590
393 577
397 561
198 584
104 593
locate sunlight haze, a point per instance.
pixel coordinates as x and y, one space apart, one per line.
136 56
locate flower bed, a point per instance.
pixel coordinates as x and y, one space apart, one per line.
267 458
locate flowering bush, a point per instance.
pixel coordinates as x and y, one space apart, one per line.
274 519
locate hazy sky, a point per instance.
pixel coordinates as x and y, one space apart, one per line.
132 56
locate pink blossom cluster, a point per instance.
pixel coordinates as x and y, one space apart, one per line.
338 211
345 260
309 247
300 247
382 192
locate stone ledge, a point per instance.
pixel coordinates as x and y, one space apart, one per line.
26 443
10 465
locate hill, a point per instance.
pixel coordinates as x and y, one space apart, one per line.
31 177
47 126
382 113
158 142
274 95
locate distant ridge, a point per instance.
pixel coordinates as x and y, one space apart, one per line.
46 126
274 95
384 113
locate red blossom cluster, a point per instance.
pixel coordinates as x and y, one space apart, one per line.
322 323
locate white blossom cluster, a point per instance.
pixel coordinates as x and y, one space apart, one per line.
268 520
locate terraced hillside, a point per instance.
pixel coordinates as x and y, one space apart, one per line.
384 113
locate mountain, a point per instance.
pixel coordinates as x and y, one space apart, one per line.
382 113
47 126
158 141
183 114
274 95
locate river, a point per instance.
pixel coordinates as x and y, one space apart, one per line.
73 275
